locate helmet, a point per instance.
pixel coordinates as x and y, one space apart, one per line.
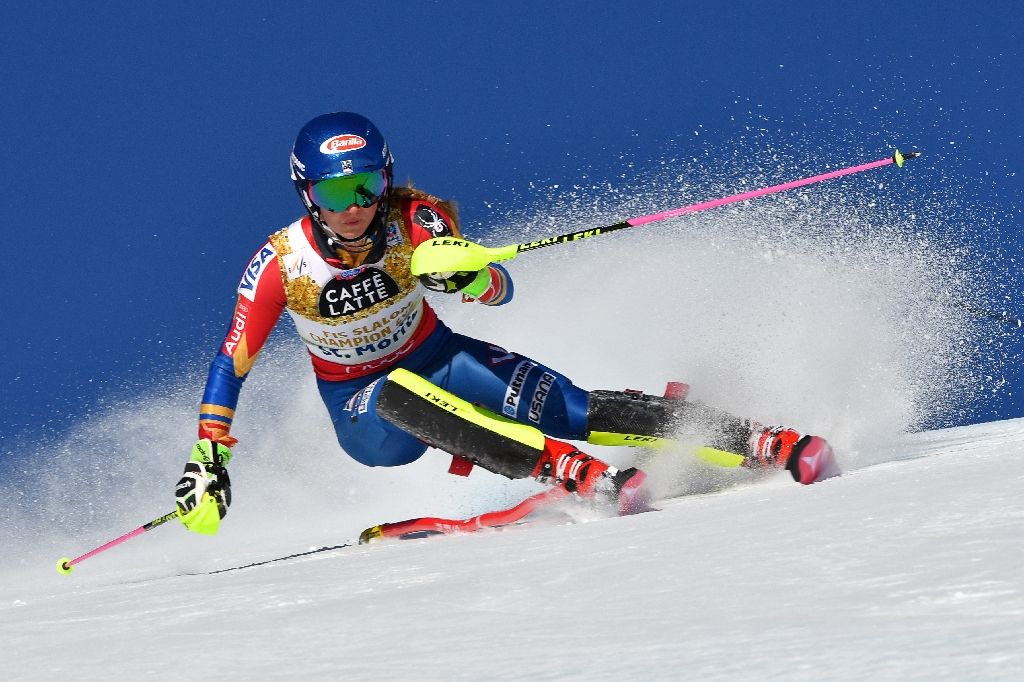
337 145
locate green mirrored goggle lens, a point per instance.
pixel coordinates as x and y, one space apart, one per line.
337 194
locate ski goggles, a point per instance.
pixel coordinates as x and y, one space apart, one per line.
338 193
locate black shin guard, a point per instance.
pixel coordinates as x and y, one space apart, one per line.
633 412
439 418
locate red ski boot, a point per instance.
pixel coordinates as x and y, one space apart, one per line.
577 472
808 458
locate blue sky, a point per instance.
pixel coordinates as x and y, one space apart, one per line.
145 145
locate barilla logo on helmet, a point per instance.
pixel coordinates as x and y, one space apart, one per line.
339 144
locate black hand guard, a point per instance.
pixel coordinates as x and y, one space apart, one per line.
448 282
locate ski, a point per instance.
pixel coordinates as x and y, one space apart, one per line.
427 526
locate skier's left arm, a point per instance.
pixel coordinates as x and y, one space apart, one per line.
428 218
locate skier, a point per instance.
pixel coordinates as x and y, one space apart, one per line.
395 378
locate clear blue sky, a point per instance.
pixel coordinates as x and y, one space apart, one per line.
145 144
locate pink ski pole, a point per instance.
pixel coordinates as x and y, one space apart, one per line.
896 158
65 564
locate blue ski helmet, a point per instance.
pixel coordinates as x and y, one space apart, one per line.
337 145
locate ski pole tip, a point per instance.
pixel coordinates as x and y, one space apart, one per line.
899 158
64 566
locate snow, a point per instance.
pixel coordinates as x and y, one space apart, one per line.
909 569
811 310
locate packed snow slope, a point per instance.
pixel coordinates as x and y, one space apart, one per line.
906 570
843 310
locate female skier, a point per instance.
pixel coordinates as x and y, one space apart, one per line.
395 378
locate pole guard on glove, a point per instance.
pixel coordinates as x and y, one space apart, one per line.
203 493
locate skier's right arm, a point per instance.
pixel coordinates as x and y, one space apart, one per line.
261 300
